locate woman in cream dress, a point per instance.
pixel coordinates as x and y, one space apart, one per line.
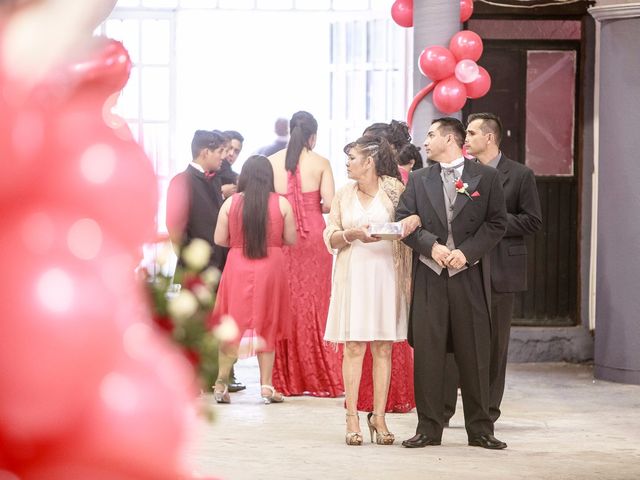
371 280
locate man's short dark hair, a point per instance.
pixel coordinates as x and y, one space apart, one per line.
205 139
234 135
491 123
453 126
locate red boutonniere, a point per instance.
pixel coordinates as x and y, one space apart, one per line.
461 187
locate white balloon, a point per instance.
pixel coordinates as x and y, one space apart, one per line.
467 71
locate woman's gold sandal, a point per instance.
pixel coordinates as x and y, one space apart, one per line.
221 396
382 438
353 438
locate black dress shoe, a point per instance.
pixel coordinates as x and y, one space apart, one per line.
236 387
420 440
487 441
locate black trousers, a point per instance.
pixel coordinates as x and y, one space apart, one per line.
450 309
501 313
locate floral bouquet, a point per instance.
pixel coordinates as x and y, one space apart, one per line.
182 305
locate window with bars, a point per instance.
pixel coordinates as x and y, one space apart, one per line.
186 76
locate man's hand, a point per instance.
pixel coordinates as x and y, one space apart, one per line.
456 259
440 253
410 224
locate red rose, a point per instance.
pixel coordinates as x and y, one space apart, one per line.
459 184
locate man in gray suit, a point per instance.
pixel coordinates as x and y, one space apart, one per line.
509 258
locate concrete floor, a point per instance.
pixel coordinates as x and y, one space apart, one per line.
558 421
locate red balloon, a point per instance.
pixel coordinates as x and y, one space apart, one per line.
481 85
466 45
466 10
437 62
402 13
63 335
141 416
449 95
107 69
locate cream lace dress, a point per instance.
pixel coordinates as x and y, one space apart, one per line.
369 299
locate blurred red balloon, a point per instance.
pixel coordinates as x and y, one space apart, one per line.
437 62
481 85
61 310
107 69
63 469
402 13
139 419
449 95
466 45
466 10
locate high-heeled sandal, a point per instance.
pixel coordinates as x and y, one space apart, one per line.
221 396
382 438
353 438
271 398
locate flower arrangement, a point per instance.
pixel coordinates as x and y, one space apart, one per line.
182 306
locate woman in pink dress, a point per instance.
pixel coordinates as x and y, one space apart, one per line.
305 364
401 397
254 290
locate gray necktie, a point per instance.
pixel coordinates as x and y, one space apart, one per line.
449 175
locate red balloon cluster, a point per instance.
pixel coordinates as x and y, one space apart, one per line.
402 13
88 389
466 10
456 75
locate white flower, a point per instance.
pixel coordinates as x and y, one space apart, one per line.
227 330
196 254
164 253
210 276
183 305
203 294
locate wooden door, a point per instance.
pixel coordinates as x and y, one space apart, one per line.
553 254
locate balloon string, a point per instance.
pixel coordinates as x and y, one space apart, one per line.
416 100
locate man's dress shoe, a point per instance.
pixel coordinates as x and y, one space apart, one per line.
487 441
420 440
236 387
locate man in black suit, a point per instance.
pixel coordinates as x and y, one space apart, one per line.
460 204
194 196
229 178
508 258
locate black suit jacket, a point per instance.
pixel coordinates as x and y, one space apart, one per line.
509 258
478 222
193 203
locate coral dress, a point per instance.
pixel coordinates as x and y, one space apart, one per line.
304 363
255 292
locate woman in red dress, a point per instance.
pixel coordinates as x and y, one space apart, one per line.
305 364
254 290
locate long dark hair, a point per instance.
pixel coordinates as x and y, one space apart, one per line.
301 127
256 183
381 151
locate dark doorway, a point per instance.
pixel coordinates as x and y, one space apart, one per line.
534 92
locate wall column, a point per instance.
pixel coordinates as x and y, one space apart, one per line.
617 333
434 23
